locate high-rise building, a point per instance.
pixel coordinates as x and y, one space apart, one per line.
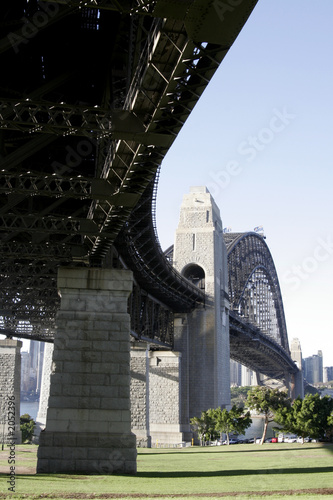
328 373
31 369
313 368
235 373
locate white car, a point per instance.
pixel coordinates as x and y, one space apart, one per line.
290 439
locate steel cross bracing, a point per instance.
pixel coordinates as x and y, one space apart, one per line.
91 99
258 332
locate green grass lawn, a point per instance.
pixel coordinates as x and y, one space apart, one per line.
244 471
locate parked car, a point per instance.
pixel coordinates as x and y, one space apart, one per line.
290 439
231 441
305 440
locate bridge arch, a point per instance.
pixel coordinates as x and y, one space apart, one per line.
252 274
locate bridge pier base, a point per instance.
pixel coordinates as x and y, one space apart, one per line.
202 336
140 394
10 388
44 392
164 398
88 425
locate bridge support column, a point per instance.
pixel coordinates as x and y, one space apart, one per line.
298 382
10 388
44 391
164 398
88 425
203 335
140 394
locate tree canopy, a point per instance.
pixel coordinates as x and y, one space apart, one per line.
204 426
27 425
308 417
267 401
233 420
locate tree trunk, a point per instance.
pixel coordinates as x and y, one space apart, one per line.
265 431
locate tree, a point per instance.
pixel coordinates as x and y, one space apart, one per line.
204 426
266 401
238 395
27 425
233 420
330 426
311 416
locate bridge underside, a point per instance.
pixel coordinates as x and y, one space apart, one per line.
92 96
91 99
250 347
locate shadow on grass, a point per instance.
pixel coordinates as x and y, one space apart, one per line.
188 474
220 450
235 472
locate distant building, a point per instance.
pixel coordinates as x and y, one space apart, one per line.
328 373
241 376
248 377
31 370
313 368
235 373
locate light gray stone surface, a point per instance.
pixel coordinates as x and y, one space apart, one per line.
203 335
140 394
164 397
88 425
10 382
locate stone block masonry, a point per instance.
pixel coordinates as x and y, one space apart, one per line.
164 397
140 394
44 392
10 382
88 425
202 336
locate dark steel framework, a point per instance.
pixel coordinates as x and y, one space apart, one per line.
258 332
92 96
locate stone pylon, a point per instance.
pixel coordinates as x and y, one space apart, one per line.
10 383
88 423
202 336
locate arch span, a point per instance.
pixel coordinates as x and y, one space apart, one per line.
254 289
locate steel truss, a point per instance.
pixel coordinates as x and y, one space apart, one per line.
83 134
254 289
258 332
151 321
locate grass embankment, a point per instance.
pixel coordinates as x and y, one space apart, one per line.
244 471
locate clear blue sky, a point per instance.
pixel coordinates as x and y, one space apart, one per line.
261 140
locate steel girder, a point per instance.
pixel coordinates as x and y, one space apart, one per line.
251 341
258 351
248 254
140 251
151 321
83 130
256 341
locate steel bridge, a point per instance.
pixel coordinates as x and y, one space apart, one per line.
92 96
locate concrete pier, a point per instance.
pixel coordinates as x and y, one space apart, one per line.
44 392
203 335
140 393
88 424
164 398
10 386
